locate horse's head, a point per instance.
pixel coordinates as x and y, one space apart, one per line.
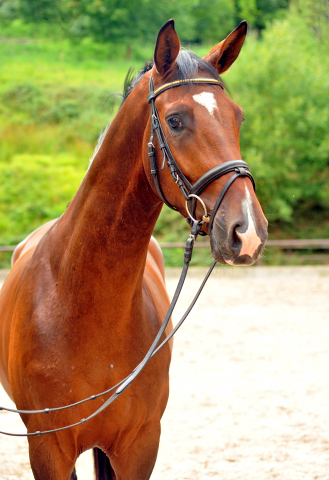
199 127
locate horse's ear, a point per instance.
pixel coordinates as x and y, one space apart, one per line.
225 53
166 48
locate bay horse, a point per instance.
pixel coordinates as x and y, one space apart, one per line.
86 294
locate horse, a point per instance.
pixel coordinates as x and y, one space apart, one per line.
86 293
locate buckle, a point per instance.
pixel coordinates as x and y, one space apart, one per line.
205 216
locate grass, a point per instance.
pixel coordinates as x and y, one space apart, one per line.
57 96
61 63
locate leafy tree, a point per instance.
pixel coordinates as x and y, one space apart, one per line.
122 21
316 14
125 22
247 9
39 10
260 12
213 20
9 10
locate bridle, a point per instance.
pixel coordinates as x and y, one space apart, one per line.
190 192
191 195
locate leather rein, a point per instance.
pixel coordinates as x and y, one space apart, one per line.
191 195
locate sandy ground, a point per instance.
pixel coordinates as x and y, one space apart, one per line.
249 382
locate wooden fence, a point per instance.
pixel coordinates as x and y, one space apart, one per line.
312 244
286 249
284 245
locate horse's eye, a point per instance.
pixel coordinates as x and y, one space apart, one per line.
174 123
243 119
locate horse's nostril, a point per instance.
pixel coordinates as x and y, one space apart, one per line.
239 231
235 239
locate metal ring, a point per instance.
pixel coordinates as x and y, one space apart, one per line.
205 216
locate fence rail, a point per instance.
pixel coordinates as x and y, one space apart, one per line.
7 248
311 244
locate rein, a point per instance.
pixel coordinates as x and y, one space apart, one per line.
191 195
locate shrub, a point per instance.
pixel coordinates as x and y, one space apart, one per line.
282 82
33 190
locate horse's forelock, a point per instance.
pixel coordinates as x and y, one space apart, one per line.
188 63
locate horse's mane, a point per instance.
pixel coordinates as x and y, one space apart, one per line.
188 62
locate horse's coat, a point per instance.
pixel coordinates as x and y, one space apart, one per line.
86 294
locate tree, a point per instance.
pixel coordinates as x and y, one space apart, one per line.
127 21
213 20
316 14
39 10
260 12
119 20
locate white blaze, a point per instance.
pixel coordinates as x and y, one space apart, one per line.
250 240
207 100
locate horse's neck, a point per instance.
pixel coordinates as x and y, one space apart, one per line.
109 222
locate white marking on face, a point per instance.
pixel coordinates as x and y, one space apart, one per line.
250 239
207 100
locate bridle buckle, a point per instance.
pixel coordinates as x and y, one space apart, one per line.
205 216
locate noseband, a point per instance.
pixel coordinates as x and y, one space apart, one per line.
190 192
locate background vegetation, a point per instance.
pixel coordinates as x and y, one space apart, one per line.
64 61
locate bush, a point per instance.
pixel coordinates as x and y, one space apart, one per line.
282 82
33 190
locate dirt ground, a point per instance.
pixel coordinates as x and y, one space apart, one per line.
249 382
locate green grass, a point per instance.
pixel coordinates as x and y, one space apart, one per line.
57 97
61 63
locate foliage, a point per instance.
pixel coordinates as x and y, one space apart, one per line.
316 15
283 85
261 12
126 22
213 21
34 189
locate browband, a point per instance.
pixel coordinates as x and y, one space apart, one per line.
178 83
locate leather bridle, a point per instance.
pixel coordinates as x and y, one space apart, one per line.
190 192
